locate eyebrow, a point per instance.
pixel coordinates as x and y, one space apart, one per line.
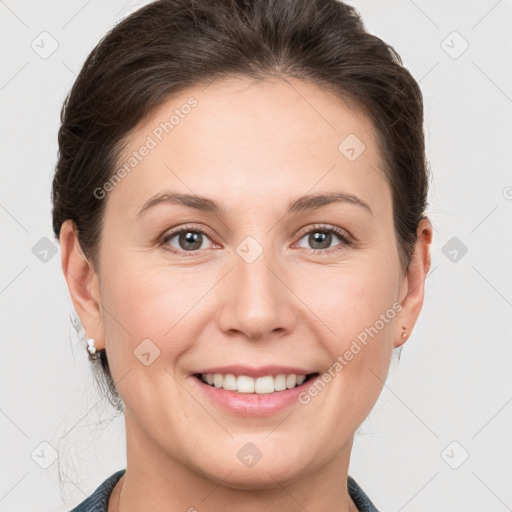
303 203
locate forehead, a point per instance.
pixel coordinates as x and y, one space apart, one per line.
247 141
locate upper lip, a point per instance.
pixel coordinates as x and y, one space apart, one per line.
260 371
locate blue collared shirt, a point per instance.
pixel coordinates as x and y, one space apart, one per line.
98 500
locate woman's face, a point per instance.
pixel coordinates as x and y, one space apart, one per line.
266 284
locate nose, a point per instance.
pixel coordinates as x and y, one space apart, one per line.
256 300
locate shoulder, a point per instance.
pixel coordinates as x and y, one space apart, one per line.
98 500
359 497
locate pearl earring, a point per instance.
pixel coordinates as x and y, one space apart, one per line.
93 353
404 334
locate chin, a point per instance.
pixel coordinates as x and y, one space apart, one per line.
265 473
259 479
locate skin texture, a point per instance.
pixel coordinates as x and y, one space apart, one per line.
253 147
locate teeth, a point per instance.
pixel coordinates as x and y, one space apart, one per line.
245 384
229 382
217 380
280 382
264 384
291 380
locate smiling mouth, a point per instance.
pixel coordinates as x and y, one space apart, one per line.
261 385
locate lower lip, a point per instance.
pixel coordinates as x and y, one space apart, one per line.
253 404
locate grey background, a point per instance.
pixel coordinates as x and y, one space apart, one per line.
449 397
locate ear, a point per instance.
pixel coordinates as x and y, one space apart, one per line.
82 282
413 286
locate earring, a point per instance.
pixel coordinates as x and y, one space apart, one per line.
93 354
404 334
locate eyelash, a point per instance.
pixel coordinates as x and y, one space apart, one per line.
346 241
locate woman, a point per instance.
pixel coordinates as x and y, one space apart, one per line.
240 201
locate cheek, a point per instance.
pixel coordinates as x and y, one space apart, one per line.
351 301
356 315
151 302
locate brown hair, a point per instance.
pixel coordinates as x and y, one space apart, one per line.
170 45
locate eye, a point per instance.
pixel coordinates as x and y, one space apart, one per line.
321 237
191 239
188 239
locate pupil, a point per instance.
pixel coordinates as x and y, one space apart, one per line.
190 237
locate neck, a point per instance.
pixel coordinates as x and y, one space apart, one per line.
153 480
